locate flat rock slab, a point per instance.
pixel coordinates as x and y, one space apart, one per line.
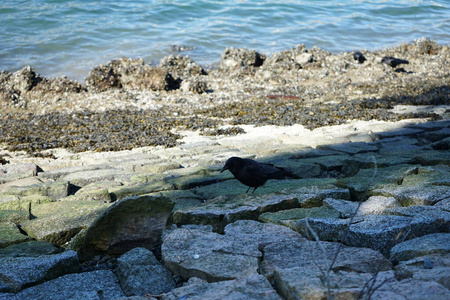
17 273
372 231
140 273
417 211
30 249
436 243
14 171
415 195
252 287
350 148
431 267
370 179
223 210
301 277
58 174
102 284
298 213
129 223
83 178
10 234
58 222
196 251
411 289
54 190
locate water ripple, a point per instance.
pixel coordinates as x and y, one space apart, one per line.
70 37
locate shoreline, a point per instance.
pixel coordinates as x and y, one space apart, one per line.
310 87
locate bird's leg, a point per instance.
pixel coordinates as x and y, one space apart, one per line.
254 189
248 189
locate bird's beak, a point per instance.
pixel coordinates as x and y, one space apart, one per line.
224 168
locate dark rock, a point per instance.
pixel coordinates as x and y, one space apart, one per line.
20 272
129 223
30 249
140 273
102 284
436 243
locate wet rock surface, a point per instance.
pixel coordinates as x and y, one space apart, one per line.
368 216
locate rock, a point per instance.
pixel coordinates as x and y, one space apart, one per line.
432 267
60 173
344 207
140 273
235 59
97 191
252 287
367 180
280 217
181 66
125 191
58 222
194 85
432 158
350 148
436 243
10 172
102 284
15 216
372 231
302 277
21 182
196 251
415 195
411 289
303 58
10 234
17 273
54 190
130 74
83 178
223 210
425 46
418 211
376 205
129 223
314 195
383 232
30 249
23 203
24 79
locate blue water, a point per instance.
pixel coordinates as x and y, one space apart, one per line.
70 37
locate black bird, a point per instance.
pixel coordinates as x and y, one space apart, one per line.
254 174
359 57
393 62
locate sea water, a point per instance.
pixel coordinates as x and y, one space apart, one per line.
59 37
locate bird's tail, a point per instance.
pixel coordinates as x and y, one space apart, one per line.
285 174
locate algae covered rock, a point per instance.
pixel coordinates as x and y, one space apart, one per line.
58 222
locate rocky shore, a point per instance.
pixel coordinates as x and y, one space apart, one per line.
111 189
